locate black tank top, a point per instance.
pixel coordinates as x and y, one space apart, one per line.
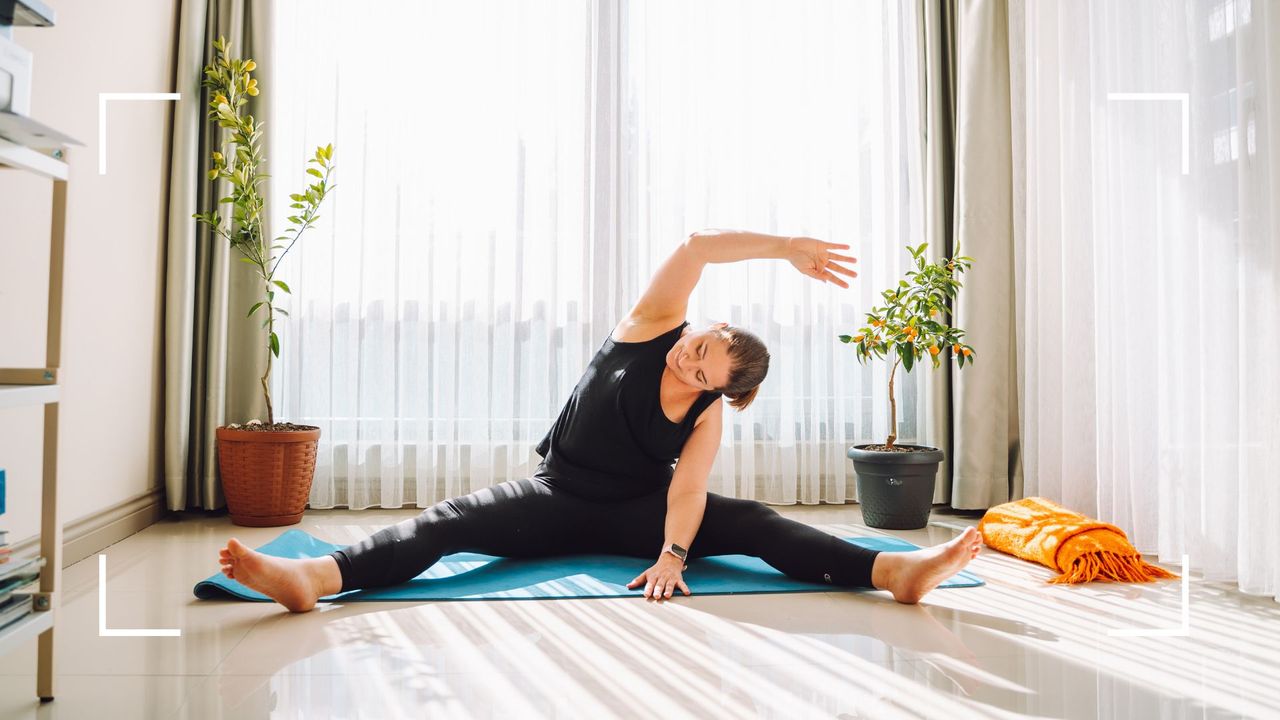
612 441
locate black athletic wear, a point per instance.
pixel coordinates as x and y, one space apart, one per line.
532 518
612 441
602 488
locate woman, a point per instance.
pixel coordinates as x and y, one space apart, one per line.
655 391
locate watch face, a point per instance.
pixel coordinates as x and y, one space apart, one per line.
679 550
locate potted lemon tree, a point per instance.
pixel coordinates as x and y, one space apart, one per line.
896 481
266 468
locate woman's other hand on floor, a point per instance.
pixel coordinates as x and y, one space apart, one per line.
818 260
662 578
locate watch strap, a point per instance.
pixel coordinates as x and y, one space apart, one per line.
678 551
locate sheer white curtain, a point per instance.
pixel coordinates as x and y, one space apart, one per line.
509 176
792 118
1149 294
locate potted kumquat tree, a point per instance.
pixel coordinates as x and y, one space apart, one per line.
896 481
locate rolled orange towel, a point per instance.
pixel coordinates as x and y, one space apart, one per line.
1080 548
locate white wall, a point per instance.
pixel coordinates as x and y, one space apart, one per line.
113 306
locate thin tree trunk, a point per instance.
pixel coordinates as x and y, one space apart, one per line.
893 408
266 377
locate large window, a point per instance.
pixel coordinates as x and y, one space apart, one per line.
509 176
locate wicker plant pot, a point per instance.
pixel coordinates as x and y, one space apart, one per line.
266 475
896 488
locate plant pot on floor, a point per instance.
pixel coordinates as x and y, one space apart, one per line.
267 474
895 489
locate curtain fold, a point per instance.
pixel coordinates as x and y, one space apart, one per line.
213 355
965 119
985 400
936 29
1147 290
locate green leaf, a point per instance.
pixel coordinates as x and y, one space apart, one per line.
282 311
908 357
271 296
280 284
313 171
248 260
254 309
275 344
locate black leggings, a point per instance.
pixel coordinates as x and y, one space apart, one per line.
532 518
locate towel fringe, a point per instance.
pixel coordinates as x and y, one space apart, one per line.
1111 567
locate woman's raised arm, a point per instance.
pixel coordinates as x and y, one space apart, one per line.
666 300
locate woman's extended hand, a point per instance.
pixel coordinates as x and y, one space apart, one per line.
662 578
816 259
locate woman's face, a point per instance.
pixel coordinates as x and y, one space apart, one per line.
700 358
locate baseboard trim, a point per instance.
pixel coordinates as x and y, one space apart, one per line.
92 533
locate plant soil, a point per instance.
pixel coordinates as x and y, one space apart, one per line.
275 427
895 448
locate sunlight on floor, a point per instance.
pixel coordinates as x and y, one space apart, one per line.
1016 646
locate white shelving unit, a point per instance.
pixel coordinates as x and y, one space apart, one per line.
39 386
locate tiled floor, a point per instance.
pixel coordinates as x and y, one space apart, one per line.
1014 647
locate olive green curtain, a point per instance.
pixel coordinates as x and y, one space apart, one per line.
965 118
213 356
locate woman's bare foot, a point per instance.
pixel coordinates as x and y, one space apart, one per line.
295 584
909 575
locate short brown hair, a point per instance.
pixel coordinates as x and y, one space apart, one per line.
749 360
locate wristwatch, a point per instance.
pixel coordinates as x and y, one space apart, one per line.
678 551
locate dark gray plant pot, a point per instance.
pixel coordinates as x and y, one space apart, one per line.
896 488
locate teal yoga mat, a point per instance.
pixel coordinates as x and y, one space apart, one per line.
473 576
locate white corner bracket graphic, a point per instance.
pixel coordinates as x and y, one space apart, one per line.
1183 631
103 631
102 118
1183 98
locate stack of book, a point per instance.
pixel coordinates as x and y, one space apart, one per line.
4 534
14 575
